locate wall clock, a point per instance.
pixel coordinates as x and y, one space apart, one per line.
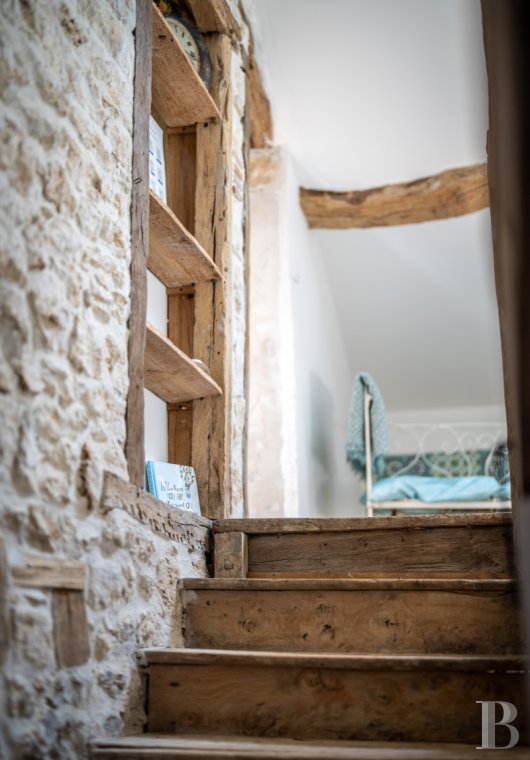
185 30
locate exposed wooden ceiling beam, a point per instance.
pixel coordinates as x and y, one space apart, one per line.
451 193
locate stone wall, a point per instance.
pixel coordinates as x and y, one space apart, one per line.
66 92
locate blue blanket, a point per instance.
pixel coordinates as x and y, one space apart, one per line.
436 490
355 444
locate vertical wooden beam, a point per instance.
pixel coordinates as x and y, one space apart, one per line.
70 628
181 319
212 325
180 148
134 444
506 35
230 555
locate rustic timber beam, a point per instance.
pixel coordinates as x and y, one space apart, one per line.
451 193
259 107
215 16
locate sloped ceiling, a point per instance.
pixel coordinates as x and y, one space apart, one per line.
368 92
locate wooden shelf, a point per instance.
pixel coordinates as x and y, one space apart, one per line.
170 374
175 257
179 94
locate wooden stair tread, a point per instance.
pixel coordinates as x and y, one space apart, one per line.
175 256
170 374
350 584
339 524
249 658
239 748
179 94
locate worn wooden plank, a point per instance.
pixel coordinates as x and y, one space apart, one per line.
180 431
338 524
175 257
170 522
230 555
392 617
455 585
181 317
451 193
70 628
134 444
204 747
50 572
179 94
180 146
215 16
171 374
259 108
479 550
211 434
442 663
328 696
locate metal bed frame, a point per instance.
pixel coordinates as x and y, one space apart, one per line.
466 435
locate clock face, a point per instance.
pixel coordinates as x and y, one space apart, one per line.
185 38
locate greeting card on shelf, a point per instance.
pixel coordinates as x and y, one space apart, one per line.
157 164
175 484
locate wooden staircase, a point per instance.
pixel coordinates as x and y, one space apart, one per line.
368 639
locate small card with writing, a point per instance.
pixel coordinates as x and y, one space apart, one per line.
157 165
175 484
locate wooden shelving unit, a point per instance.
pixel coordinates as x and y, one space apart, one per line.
179 95
186 243
180 101
171 374
175 256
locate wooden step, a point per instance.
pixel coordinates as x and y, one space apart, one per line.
151 747
362 616
469 545
329 696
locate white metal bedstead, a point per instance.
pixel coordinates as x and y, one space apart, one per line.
454 437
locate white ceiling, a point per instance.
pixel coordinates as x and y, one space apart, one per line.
366 92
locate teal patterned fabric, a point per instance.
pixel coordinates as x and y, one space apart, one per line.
355 448
465 463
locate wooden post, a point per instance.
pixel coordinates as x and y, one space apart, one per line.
506 33
210 445
134 445
70 628
230 555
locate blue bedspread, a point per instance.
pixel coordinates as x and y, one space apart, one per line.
435 490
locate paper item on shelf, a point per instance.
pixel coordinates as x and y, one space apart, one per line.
157 164
175 484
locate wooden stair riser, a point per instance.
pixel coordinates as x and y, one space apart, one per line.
327 703
477 551
380 621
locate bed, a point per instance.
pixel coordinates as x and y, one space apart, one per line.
434 468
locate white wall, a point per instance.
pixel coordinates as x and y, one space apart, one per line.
322 373
155 413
